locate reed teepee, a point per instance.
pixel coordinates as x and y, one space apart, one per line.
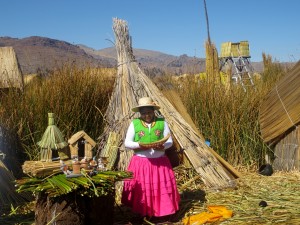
131 84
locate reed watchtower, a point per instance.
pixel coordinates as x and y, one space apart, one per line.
235 60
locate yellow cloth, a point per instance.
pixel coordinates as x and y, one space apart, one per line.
215 213
226 213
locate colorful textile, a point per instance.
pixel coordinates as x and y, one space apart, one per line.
216 213
146 135
152 191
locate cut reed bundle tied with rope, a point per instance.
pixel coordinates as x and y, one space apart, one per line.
42 169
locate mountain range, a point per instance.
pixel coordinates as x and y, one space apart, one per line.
42 54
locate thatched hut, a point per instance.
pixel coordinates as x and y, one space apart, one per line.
10 72
130 85
280 119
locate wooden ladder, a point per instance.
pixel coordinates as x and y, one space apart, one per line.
243 72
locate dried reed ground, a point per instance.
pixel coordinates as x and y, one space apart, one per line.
281 191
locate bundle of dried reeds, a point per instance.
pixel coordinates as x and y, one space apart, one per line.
8 194
212 63
11 75
111 149
132 84
42 169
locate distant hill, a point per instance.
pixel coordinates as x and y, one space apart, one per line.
43 54
40 53
154 62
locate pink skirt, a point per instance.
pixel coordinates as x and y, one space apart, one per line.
153 190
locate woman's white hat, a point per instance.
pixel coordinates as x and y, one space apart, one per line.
145 102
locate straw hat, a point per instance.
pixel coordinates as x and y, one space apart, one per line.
145 102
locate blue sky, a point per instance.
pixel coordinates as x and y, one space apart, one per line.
174 27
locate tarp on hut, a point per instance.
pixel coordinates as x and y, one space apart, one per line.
280 110
130 85
10 73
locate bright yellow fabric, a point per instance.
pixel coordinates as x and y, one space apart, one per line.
226 213
215 213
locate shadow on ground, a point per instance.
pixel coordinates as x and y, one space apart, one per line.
124 216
